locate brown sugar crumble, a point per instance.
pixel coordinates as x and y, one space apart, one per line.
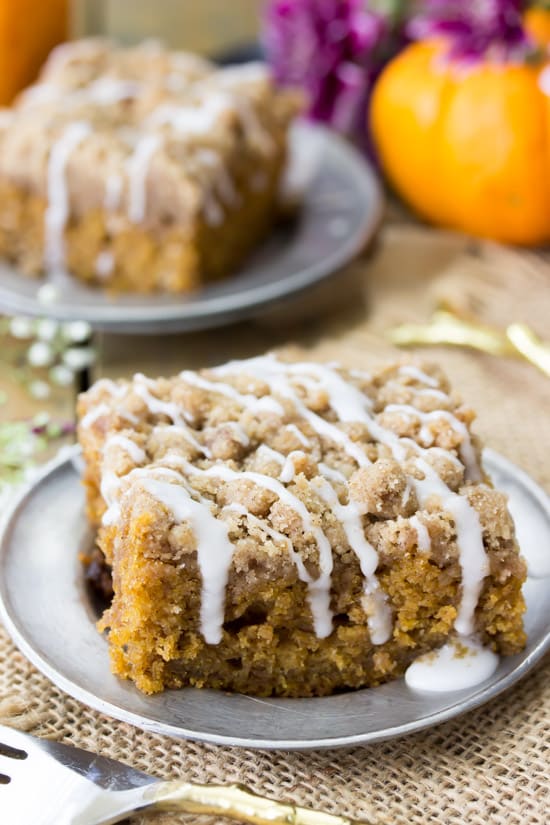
293 529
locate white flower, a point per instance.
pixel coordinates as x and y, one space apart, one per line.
78 358
76 331
46 329
40 354
39 390
21 327
61 375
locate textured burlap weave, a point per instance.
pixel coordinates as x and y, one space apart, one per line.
491 766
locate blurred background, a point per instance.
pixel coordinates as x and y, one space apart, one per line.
206 26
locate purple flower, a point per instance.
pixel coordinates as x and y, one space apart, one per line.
474 28
329 48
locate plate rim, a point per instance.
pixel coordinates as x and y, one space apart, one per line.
477 698
219 311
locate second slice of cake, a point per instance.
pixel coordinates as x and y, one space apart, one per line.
140 169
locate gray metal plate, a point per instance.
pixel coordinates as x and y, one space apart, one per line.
340 212
45 607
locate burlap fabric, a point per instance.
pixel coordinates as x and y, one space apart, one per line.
491 766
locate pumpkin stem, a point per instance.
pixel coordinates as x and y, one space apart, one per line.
475 29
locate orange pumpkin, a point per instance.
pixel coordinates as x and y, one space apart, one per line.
467 145
537 23
29 29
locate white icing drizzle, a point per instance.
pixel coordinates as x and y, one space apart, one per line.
214 550
103 409
289 469
155 405
422 535
223 183
113 192
361 375
321 426
37 95
433 393
430 392
221 187
104 264
446 454
238 433
458 665
250 402
473 558
379 616
229 79
466 450
57 211
419 375
212 211
331 473
109 487
185 431
93 414
257 133
346 400
305 442
192 120
266 528
111 484
270 453
137 166
104 91
107 91
136 453
319 588
115 390
175 82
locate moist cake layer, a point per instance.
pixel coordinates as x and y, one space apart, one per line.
294 528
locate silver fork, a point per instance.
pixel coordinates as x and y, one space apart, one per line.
47 783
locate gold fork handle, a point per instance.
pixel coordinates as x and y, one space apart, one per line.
237 802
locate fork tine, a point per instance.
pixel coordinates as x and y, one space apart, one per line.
8 752
6 772
11 752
